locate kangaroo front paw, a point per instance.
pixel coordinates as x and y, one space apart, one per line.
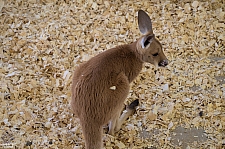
133 105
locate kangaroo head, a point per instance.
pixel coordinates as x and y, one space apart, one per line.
148 46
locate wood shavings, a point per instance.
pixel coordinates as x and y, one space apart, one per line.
120 145
42 44
195 4
170 125
165 87
151 116
48 125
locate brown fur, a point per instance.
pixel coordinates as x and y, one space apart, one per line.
101 85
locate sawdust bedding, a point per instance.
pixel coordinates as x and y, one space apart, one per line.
42 41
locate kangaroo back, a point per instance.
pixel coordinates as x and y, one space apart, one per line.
101 85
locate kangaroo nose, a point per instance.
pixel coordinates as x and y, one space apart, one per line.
163 63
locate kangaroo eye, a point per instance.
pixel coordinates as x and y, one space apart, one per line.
156 54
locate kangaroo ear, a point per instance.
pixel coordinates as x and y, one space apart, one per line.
147 40
144 22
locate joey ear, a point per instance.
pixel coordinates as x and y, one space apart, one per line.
144 22
147 40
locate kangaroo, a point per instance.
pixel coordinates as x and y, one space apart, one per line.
101 85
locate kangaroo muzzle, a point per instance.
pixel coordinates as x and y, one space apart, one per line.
163 63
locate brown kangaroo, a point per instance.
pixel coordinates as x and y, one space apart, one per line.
101 85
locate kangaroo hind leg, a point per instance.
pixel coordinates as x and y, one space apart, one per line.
114 122
130 109
117 121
